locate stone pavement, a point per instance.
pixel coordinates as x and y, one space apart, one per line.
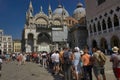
29 71
32 71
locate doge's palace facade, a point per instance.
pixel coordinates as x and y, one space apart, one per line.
103 23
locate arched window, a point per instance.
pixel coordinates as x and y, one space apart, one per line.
90 29
94 28
116 21
104 24
109 23
99 26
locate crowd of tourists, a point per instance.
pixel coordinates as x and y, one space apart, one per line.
73 64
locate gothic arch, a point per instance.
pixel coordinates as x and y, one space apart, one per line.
109 22
94 43
103 25
90 28
103 44
99 26
116 20
115 41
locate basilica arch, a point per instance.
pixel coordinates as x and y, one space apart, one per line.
41 21
115 41
43 37
43 41
103 44
57 22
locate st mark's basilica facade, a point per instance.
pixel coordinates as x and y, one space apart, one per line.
44 32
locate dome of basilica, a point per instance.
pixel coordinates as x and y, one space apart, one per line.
60 10
79 12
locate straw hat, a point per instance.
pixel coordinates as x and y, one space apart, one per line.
81 52
115 49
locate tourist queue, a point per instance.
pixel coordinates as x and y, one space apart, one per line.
71 63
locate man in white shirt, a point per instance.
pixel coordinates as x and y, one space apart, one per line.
53 61
44 57
57 62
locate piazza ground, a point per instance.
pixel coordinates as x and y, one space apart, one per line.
32 71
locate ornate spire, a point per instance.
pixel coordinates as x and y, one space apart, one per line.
30 10
49 11
30 7
49 8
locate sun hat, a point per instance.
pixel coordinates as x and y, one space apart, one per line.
77 48
81 52
115 49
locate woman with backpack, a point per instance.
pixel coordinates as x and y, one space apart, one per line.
97 67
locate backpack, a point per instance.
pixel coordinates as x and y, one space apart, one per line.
102 59
66 56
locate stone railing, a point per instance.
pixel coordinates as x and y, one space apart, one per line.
104 31
110 29
117 28
100 32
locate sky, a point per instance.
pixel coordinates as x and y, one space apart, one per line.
13 13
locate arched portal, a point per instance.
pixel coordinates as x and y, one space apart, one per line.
44 37
115 41
43 41
94 43
103 44
30 42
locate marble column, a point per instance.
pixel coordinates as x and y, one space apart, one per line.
113 25
88 28
107 26
26 44
101 27
35 45
96 28
92 29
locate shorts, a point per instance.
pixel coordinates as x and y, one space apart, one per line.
98 70
56 63
77 68
116 72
